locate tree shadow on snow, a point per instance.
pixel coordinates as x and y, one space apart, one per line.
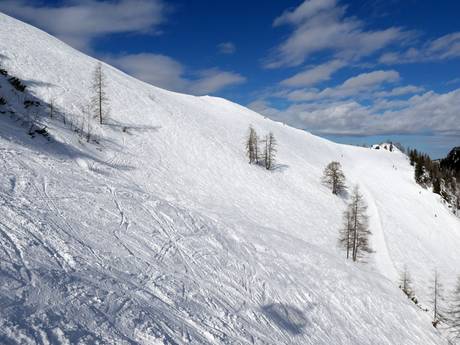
21 121
14 129
286 317
130 128
344 195
280 167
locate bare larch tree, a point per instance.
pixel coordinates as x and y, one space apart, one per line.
51 108
454 313
100 102
252 146
405 283
334 177
345 238
269 154
436 298
357 227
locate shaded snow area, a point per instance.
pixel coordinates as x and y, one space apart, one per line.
163 233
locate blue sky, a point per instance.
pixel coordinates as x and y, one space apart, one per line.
353 71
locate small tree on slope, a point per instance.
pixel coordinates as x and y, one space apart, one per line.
454 313
252 146
99 101
334 177
405 283
418 173
269 151
436 298
346 232
355 233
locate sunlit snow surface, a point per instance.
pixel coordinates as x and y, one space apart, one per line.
164 234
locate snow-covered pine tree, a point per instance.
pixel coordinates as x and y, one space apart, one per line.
100 101
418 171
436 185
334 177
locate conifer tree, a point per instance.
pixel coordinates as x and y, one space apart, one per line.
406 283
436 298
334 177
418 171
100 101
51 108
436 185
252 146
454 313
269 151
354 236
345 238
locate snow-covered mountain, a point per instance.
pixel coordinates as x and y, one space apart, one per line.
164 234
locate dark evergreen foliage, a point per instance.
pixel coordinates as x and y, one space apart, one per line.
443 176
29 103
17 84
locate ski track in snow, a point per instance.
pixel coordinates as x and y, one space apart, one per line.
163 234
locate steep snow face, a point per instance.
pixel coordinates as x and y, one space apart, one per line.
163 233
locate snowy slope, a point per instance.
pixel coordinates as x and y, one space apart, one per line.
164 234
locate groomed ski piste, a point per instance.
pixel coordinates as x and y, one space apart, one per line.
162 233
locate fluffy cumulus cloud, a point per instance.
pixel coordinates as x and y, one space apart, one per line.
79 22
428 112
165 72
322 25
369 103
226 48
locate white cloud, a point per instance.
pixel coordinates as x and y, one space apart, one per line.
400 91
453 81
262 106
361 84
370 79
304 11
314 75
79 22
429 112
156 69
389 58
442 48
212 80
226 48
321 26
165 72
